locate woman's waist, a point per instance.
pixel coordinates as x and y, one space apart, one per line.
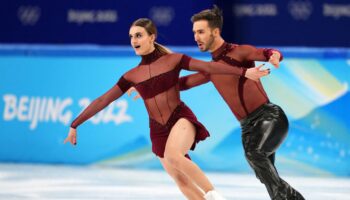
163 116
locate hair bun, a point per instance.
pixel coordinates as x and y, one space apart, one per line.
217 10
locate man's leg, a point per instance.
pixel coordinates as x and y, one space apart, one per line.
260 144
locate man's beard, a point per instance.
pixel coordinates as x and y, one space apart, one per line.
209 43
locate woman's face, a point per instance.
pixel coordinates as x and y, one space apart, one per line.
141 41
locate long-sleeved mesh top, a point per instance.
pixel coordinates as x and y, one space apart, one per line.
242 95
156 78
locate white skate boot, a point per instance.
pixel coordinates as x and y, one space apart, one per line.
213 195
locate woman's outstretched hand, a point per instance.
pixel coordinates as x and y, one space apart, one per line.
256 73
72 137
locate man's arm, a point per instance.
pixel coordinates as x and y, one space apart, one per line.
193 80
185 83
248 52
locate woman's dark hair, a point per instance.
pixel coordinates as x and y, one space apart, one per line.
151 28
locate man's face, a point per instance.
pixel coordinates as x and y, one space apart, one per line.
203 35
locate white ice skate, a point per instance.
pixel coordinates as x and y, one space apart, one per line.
213 195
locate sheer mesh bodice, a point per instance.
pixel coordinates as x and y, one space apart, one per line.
156 78
241 94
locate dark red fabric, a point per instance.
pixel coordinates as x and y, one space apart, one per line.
123 84
193 80
156 79
160 132
182 83
166 80
242 95
185 62
268 53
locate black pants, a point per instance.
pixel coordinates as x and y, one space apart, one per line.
262 133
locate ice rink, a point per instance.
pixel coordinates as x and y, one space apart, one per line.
71 182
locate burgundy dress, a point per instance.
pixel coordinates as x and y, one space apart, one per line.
156 79
161 91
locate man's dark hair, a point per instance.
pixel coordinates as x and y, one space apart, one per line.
213 16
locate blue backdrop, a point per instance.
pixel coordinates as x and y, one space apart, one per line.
323 23
101 22
42 88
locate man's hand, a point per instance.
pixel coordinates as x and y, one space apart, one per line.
275 59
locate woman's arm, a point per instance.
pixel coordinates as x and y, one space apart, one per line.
103 101
97 105
221 68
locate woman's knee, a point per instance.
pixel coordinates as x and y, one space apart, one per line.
179 178
173 157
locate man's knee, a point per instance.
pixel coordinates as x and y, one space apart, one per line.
255 155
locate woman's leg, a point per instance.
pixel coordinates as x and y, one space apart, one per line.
187 187
180 140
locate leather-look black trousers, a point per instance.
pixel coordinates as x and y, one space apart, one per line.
263 131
